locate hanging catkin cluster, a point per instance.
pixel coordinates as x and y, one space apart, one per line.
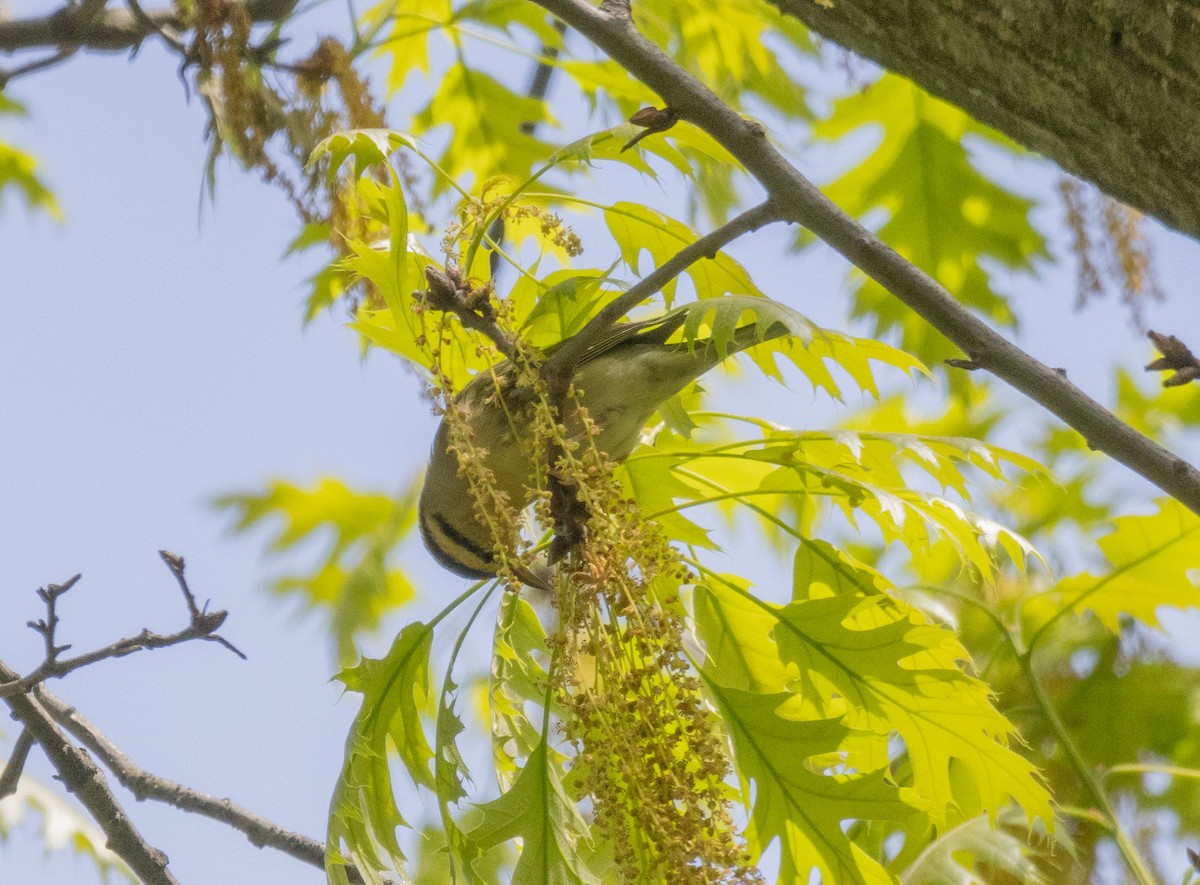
648 749
648 746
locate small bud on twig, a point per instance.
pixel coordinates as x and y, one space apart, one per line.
1175 357
652 120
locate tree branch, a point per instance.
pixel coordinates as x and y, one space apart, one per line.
450 292
81 777
260 831
611 29
1104 90
16 763
204 625
168 34
36 707
49 61
79 26
565 359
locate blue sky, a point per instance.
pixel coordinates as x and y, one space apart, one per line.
153 357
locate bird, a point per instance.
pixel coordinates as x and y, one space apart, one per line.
622 379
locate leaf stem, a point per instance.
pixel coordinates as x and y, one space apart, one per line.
1103 813
443 768
1087 776
1145 768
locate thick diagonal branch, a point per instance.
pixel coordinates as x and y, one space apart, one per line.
76 26
612 30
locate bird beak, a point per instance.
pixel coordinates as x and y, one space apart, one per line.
536 581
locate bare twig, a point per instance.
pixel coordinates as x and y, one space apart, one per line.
29 700
449 292
40 64
16 763
76 26
164 30
611 28
204 625
176 564
47 628
1176 357
33 705
260 831
144 641
82 778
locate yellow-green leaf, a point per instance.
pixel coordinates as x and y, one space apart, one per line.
517 677
18 171
1152 563
942 214
876 664
484 118
803 808
638 229
538 810
355 579
363 814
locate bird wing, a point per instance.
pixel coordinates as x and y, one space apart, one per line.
652 331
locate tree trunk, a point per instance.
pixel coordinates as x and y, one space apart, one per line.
1108 89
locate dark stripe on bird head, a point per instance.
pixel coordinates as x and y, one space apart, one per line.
437 548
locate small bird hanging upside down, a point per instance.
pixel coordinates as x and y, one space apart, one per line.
623 379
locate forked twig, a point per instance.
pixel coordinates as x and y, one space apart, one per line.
203 625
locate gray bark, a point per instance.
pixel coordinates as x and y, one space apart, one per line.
1107 89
